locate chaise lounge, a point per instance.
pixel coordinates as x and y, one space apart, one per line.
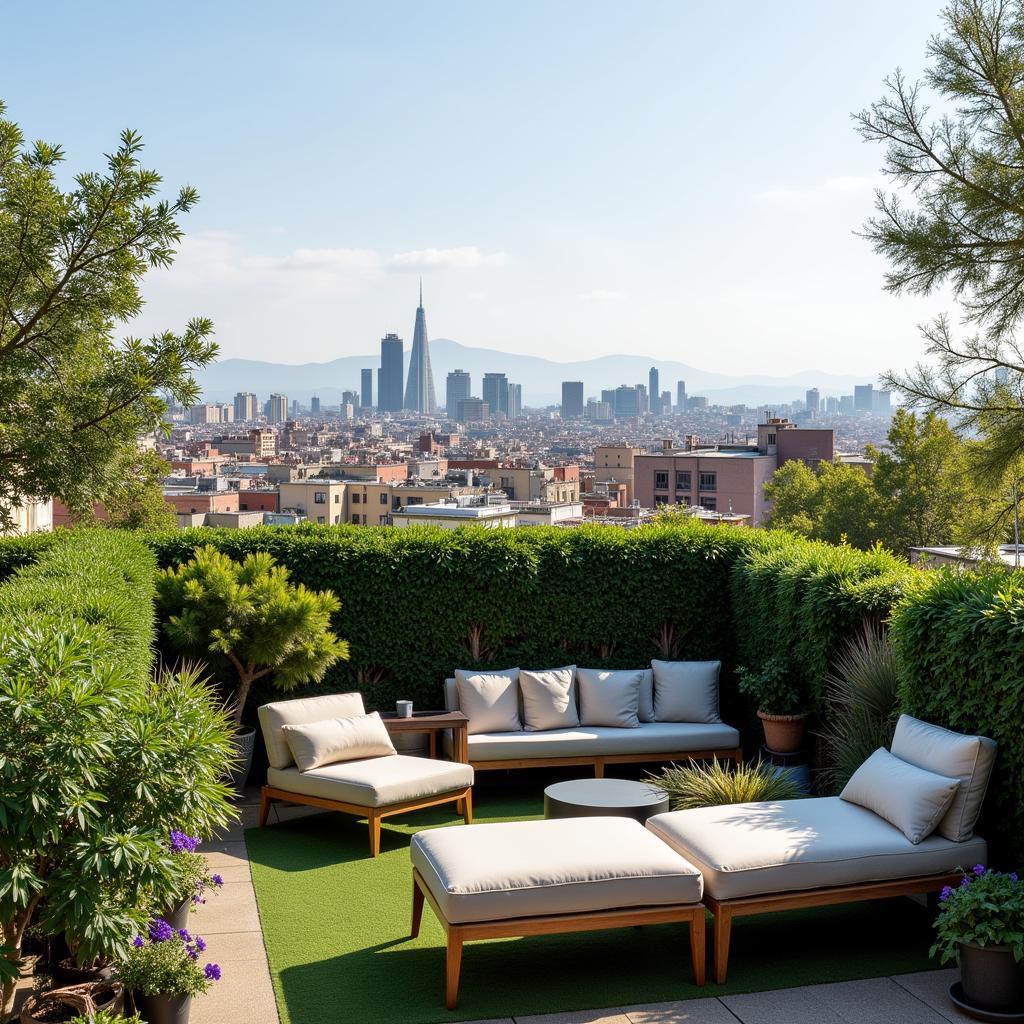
904 824
327 752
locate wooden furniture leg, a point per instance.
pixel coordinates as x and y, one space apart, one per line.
723 932
265 802
467 807
698 952
598 768
417 909
373 820
453 966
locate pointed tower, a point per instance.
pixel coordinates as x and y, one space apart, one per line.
419 388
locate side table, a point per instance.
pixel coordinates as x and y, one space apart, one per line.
432 723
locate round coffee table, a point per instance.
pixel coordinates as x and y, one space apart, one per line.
619 798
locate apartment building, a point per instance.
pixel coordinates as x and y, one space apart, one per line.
615 464
319 500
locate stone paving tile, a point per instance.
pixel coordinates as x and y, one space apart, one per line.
874 1001
932 987
236 947
242 996
221 854
232 909
687 1011
611 1015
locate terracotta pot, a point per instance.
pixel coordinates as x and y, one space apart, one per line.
783 733
992 979
163 1008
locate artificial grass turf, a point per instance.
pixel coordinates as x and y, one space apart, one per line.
336 925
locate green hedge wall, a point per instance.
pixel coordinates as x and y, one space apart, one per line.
16 552
104 578
414 602
959 641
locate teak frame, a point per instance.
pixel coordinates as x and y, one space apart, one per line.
553 924
734 754
725 910
462 798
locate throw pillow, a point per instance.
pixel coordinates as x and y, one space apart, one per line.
549 699
686 691
609 698
314 744
912 799
490 700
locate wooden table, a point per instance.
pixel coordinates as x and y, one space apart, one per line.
432 723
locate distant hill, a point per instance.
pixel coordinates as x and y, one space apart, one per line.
541 378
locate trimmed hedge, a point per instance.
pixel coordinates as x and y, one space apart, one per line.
418 603
16 552
103 578
959 642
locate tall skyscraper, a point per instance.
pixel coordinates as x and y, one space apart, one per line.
515 401
314 405
681 395
366 389
246 406
881 403
608 395
572 399
457 387
277 408
643 400
419 389
389 381
495 392
666 403
654 391
863 397
813 400
627 401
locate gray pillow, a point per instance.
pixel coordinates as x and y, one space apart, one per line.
912 799
549 699
646 710
609 698
967 758
686 691
490 700
314 744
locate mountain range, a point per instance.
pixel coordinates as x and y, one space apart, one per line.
540 378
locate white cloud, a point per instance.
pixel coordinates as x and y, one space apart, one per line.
602 295
466 257
828 190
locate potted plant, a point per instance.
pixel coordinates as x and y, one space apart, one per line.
194 878
162 972
781 704
248 615
981 924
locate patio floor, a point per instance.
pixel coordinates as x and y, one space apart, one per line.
230 923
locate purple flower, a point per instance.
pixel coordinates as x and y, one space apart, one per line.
217 880
1013 876
160 931
200 944
965 881
138 941
979 869
181 843
212 972
193 953
947 891
184 935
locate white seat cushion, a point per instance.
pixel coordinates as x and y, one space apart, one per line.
788 845
314 744
375 782
587 741
521 869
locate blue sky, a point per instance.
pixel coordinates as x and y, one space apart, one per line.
570 178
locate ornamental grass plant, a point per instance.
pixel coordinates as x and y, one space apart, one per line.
713 784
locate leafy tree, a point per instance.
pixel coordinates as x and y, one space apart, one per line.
249 614
137 501
795 493
73 399
961 223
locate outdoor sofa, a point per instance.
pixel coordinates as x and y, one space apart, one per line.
327 752
667 711
904 824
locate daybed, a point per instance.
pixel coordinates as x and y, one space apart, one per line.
578 716
903 825
326 752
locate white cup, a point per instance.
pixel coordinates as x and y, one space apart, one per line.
404 708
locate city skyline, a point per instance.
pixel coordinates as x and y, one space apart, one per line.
608 231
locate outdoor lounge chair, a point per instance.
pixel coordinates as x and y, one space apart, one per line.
373 786
761 857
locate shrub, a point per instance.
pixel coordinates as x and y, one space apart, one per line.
248 613
16 552
959 644
861 706
166 962
713 784
772 687
987 908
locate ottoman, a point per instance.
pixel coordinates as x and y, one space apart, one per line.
523 878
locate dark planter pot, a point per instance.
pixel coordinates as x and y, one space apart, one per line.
783 734
67 972
992 979
245 741
177 918
163 1009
